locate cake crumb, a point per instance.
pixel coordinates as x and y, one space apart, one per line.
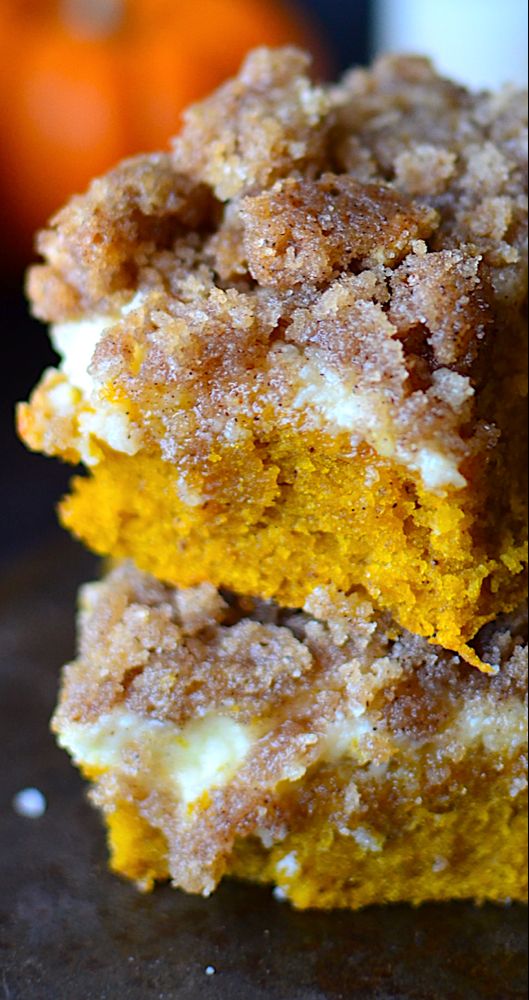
29 802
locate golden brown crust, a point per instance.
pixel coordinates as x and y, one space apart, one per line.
465 153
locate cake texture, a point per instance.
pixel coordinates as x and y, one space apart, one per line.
294 367
294 347
325 750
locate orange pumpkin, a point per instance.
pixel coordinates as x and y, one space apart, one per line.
85 82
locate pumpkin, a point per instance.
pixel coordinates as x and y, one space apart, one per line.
84 83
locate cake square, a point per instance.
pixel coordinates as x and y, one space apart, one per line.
324 751
294 348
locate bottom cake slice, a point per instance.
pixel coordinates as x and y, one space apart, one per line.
324 750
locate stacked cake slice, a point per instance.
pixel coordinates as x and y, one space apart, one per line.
294 368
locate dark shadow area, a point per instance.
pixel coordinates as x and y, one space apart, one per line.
30 485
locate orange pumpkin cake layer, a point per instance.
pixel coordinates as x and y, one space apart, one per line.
325 750
294 348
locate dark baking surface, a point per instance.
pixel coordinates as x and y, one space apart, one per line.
71 931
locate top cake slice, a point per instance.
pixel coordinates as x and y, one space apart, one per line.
294 347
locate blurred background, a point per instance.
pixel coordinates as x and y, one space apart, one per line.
85 82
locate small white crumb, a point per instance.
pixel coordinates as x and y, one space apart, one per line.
29 802
279 893
367 841
288 865
210 970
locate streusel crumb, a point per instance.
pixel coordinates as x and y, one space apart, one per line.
294 347
223 733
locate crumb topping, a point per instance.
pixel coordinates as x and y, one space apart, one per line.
334 689
100 241
174 653
307 350
269 122
382 218
443 297
311 231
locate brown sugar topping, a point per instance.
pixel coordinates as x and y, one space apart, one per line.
100 240
377 227
175 656
446 294
312 230
397 124
267 123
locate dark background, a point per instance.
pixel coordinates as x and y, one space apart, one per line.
30 485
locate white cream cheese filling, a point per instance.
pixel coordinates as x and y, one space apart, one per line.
500 728
364 416
76 342
207 752
202 755
331 403
437 470
98 419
